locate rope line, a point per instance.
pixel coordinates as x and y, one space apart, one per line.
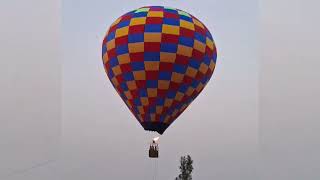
155 169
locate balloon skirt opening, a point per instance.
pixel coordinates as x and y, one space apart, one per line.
155 126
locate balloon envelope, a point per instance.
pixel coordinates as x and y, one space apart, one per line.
158 59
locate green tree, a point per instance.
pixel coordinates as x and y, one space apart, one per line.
185 168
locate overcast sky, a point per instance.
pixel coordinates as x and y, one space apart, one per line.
219 130
258 117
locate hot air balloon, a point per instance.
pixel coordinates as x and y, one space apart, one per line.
158 59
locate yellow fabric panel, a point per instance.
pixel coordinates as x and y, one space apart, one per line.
141 110
177 77
200 87
116 70
128 94
153 117
203 68
122 31
184 50
111 44
136 47
189 91
209 43
191 72
151 65
152 37
124 59
166 119
169 29
212 65
187 25
115 81
159 109
139 75
152 92
105 58
168 102
179 96
198 23
199 46
131 85
167 57
144 101
163 84
155 14
137 21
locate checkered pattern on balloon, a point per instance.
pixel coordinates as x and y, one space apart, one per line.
158 59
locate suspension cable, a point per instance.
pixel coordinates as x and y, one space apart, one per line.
155 168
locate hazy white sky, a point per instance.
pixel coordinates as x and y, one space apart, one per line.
258 117
102 138
30 98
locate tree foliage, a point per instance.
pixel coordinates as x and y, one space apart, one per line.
185 168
